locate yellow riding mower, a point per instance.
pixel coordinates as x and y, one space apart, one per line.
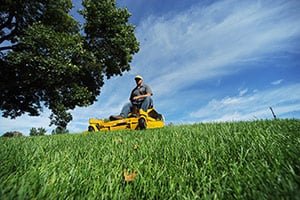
141 120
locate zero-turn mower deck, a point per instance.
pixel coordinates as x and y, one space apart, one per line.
146 120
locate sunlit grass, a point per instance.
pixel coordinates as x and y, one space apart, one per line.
244 160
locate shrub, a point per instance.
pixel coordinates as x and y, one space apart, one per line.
12 134
38 131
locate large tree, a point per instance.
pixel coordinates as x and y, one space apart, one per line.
48 60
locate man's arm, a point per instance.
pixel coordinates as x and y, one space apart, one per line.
148 92
142 96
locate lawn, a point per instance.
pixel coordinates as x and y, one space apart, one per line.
233 160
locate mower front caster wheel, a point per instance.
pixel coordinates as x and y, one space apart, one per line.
91 129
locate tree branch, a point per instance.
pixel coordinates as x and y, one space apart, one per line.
8 21
6 47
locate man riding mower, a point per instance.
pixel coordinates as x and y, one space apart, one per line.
137 114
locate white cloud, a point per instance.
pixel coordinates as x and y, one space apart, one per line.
24 123
242 92
251 106
277 82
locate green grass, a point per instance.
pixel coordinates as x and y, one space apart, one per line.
238 160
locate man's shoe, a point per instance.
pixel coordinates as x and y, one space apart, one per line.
112 118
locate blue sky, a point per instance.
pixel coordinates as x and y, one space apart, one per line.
205 61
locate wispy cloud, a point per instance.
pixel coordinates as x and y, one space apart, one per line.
251 106
242 92
25 123
277 82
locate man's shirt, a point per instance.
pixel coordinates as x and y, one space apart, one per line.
140 90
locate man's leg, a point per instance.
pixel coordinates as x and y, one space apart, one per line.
126 110
146 103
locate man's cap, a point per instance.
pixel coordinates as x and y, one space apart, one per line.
138 77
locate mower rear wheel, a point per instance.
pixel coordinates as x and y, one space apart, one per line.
142 123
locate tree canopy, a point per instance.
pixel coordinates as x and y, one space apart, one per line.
47 59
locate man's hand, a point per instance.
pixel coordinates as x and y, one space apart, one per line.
141 96
136 97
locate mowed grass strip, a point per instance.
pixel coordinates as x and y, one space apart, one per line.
244 160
